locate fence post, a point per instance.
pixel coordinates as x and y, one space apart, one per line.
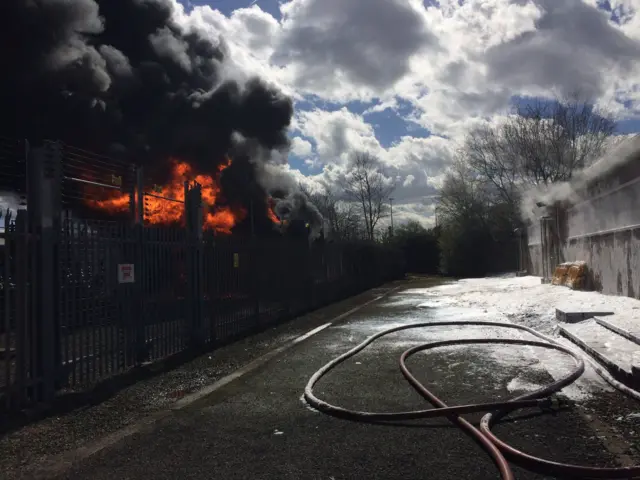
137 291
546 248
140 300
255 259
309 277
522 244
193 223
325 275
44 181
136 199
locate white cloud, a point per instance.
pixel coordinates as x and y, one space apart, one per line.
456 64
575 47
408 180
301 147
418 164
368 44
422 212
337 134
248 36
461 58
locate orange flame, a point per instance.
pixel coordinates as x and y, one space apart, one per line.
271 214
164 204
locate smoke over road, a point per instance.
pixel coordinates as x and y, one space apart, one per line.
124 78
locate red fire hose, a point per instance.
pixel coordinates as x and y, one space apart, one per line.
496 448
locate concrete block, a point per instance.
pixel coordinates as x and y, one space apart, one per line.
635 369
571 315
612 351
617 326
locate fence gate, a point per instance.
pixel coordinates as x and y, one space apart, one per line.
93 309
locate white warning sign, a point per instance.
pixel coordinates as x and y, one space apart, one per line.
126 273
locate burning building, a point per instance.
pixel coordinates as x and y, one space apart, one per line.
163 204
128 80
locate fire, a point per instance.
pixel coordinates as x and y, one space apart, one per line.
164 204
271 213
118 202
272 216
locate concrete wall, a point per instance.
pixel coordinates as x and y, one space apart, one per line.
603 231
618 208
533 262
613 259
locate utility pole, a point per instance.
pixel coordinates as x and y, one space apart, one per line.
391 204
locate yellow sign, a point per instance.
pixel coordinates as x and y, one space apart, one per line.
116 180
236 260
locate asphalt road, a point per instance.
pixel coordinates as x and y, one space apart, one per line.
259 428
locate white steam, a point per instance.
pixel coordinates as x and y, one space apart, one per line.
598 213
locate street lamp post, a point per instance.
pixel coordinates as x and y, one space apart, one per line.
391 204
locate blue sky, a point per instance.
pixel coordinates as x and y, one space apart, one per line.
441 67
228 6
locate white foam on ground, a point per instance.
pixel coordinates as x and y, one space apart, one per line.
524 300
435 303
521 300
522 295
518 385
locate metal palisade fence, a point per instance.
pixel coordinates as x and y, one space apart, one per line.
82 301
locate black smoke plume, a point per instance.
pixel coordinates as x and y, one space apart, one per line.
121 77
303 216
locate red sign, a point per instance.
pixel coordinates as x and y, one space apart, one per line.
126 273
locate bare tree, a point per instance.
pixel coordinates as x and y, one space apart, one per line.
551 141
367 185
540 144
343 218
346 221
487 153
463 195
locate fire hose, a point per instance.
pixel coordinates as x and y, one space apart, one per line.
499 451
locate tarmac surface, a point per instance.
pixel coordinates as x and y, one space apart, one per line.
258 427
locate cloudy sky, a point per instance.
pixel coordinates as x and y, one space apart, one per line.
405 79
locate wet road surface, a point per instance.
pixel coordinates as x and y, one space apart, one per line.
259 428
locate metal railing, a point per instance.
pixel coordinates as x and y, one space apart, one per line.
20 375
